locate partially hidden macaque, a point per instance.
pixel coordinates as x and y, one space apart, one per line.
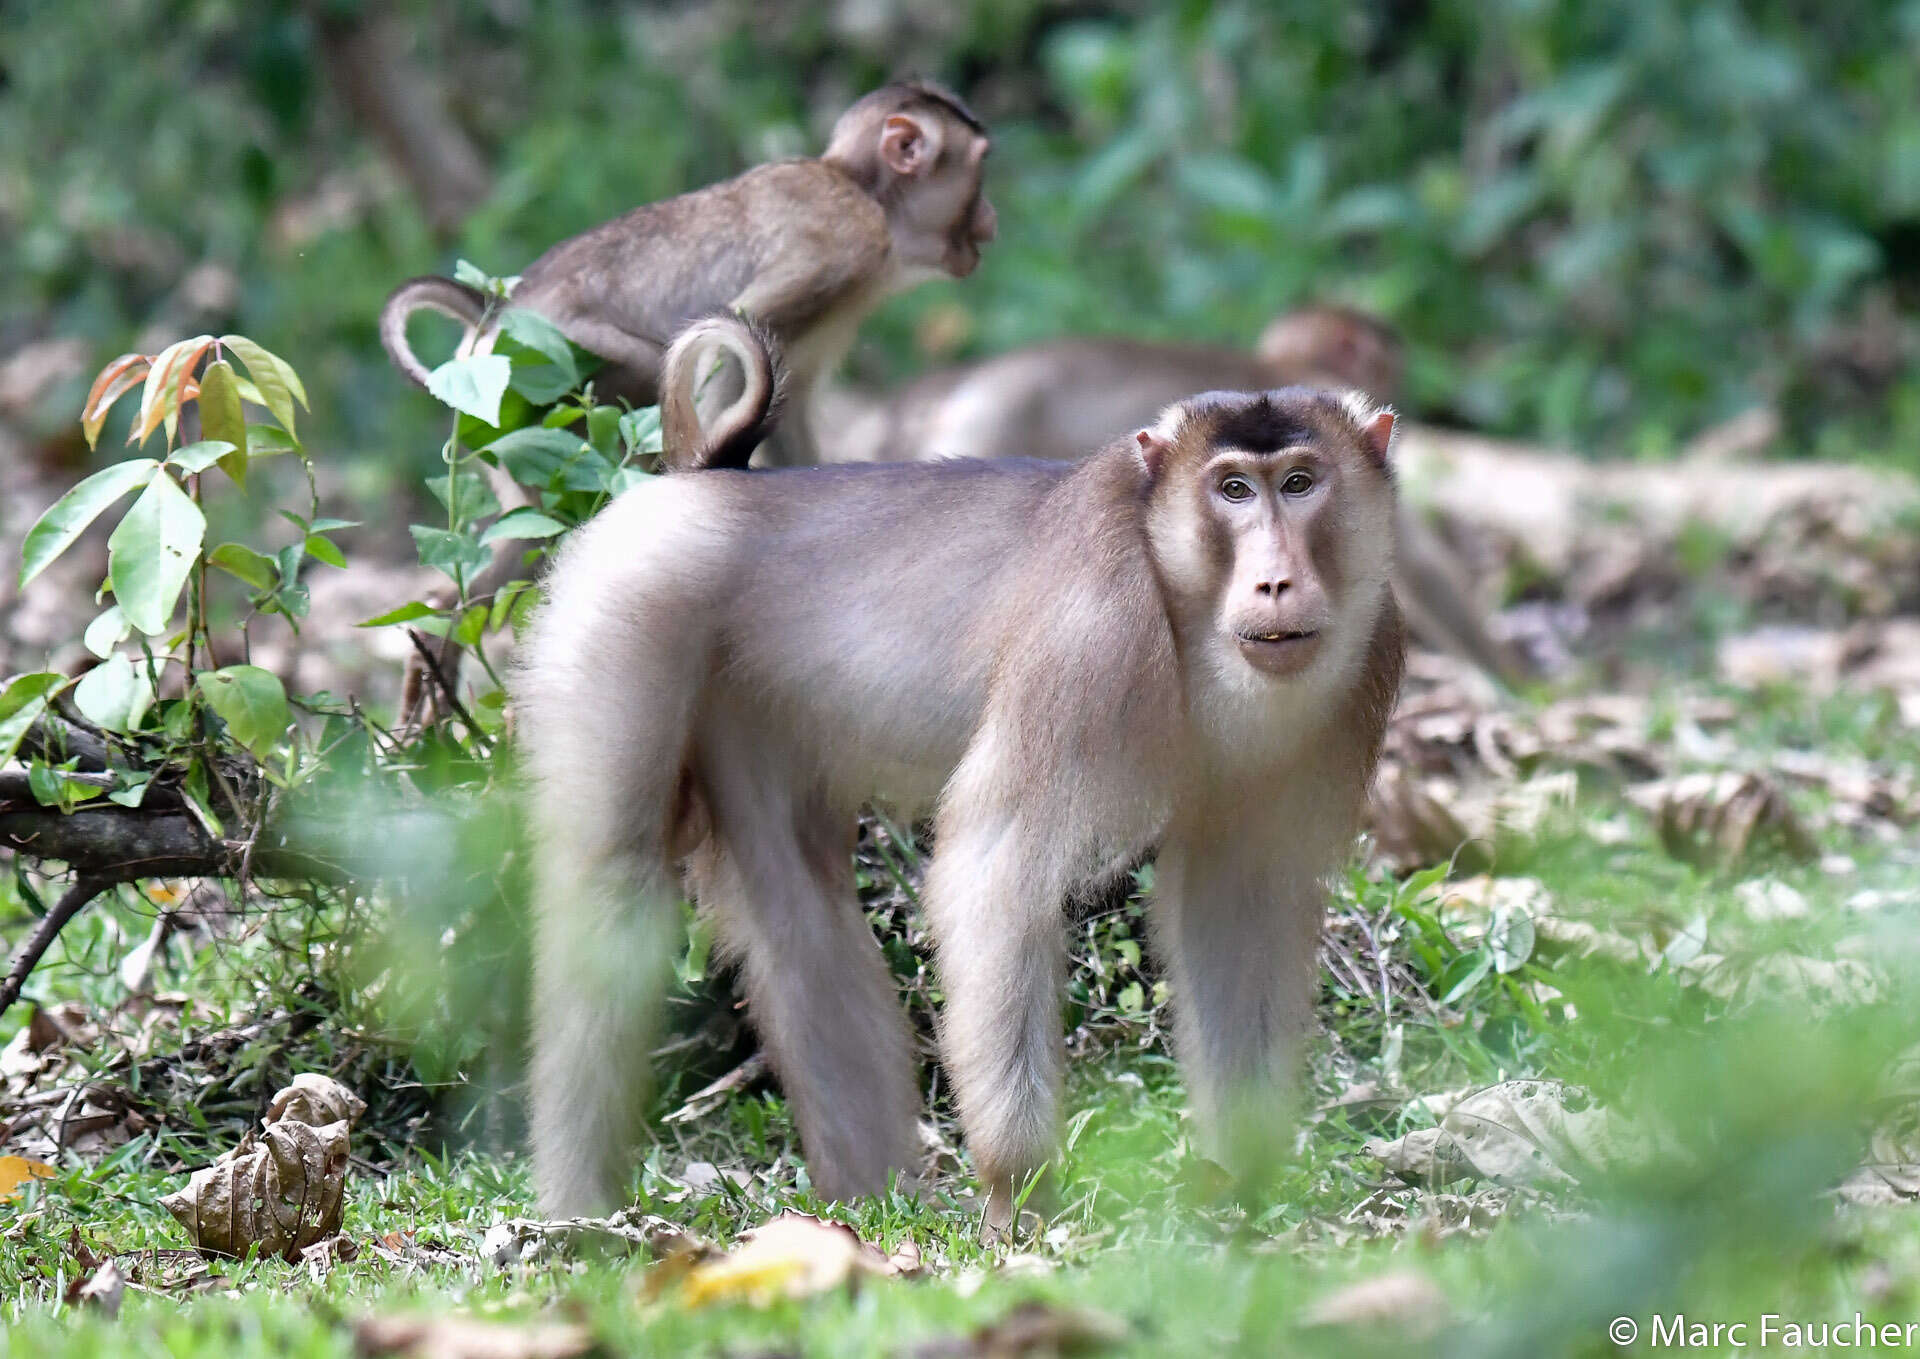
1186 644
805 247
1062 398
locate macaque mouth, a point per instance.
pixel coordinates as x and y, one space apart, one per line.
1274 638
1280 652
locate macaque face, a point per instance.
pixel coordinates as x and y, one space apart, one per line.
1274 533
1268 514
963 197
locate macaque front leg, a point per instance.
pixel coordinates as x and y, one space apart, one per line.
995 913
1238 927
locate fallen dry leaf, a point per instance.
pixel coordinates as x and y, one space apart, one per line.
1031 1331
1400 1300
793 1256
280 1191
451 1337
315 1100
1412 825
101 1289
17 1170
1515 1133
1720 818
524 1240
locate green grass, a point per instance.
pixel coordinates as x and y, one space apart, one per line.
1762 1097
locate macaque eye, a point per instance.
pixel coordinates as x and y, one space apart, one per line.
1297 483
1236 489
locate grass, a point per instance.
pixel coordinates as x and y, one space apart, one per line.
1760 1091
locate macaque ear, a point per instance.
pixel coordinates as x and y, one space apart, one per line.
1153 451
908 147
1377 432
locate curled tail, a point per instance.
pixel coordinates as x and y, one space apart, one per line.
748 418
428 293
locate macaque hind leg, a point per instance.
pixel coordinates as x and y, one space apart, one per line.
778 879
1238 926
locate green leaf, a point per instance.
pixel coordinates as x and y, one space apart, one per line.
131 787
67 518
221 417
1463 974
513 601
21 704
151 553
473 386
525 522
326 525
326 550
472 625
1510 937
114 694
603 431
465 271
1132 998
275 380
199 457
535 456
626 478
640 430
264 441
472 498
406 613
1130 950
545 369
250 701
457 555
106 632
51 788
237 559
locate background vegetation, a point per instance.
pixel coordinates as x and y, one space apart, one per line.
1604 227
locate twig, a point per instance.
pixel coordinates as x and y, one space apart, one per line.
445 686
84 889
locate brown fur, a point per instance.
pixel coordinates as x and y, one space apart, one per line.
804 247
1036 648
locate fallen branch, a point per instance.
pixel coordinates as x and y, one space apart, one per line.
105 844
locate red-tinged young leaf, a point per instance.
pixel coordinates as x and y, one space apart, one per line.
162 393
67 518
221 417
115 381
188 389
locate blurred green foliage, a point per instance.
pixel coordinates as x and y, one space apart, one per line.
1608 225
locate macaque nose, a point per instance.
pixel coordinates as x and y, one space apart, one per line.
1273 586
986 223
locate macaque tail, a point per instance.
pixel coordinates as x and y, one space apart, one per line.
428 293
747 420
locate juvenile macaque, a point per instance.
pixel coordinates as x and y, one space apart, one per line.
1186 643
1064 397
805 247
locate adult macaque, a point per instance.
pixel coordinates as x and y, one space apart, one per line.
1061 398
1186 643
805 247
